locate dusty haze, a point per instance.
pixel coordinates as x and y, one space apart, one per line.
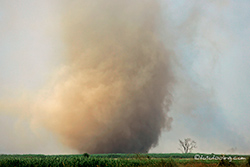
112 96
101 76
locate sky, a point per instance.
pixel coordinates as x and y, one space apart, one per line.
210 97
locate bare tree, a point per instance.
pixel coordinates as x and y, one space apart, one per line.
187 145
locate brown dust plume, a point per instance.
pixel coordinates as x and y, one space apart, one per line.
113 94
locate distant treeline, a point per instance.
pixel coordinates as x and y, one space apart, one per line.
161 155
122 155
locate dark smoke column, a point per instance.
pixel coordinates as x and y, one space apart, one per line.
113 94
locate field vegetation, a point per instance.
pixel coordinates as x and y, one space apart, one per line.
119 160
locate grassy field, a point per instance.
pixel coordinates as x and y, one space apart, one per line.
123 160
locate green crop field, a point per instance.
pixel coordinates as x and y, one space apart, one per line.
124 160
